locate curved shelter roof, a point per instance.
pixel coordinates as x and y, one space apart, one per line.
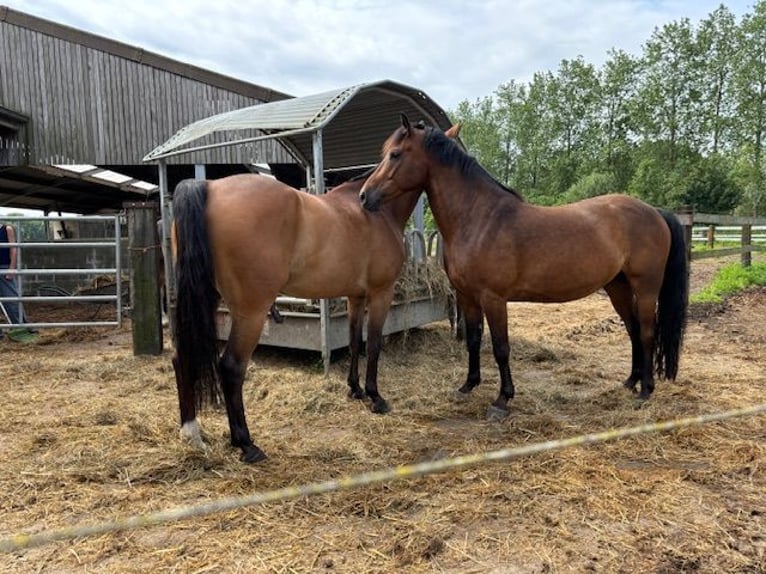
354 122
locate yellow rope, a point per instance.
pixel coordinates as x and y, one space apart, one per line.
22 541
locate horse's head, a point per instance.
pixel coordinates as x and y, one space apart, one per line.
403 167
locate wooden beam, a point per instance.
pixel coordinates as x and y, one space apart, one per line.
145 304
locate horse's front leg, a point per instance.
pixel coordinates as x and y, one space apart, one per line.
497 317
190 429
379 304
474 319
233 366
355 322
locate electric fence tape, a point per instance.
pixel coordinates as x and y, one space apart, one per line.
22 541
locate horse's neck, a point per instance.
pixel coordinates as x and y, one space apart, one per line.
454 199
401 208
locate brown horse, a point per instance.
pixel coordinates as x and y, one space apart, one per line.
247 238
499 248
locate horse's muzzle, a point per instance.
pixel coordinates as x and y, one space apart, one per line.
369 199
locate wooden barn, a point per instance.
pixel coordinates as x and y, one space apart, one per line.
78 112
68 97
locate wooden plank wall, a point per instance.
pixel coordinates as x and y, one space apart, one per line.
88 106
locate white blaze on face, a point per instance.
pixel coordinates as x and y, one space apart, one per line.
190 431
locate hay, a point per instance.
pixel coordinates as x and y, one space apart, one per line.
417 280
89 432
422 279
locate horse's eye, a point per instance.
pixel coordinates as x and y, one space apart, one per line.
395 154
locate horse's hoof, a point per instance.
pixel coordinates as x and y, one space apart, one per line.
252 454
630 384
496 414
468 387
379 406
197 444
460 395
357 394
190 432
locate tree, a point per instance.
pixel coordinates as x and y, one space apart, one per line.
717 47
684 121
668 100
593 184
535 139
618 79
750 100
652 182
480 132
510 100
711 188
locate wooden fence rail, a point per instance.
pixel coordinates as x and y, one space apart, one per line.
747 245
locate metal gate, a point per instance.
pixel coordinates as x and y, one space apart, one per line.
60 272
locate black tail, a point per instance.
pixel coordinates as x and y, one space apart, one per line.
673 302
195 333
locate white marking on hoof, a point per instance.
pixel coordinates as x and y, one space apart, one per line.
496 414
190 431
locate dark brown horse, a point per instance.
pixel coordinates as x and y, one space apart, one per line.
499 248
247 238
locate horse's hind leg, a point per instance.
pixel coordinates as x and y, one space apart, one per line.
621 295
378 306
355 321
646 307
187 404
245 332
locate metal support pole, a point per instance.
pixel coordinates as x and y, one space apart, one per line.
324 304
20 278
166 216
418 215
118 267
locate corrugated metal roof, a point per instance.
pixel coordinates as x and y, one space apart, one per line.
355 122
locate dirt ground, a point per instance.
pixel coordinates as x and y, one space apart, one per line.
88 432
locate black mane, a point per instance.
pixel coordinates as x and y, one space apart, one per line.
449 153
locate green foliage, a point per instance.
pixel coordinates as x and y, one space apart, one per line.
711 187
480 132
748 178
652 182
29 229
684 122
593 184
729 280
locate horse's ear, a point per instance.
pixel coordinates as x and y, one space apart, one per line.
453 131
406 123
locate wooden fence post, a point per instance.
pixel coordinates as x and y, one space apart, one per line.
145 306
746 258
685 215
711 236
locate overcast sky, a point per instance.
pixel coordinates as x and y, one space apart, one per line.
452 50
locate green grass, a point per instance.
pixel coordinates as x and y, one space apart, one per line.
718 245
729 280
